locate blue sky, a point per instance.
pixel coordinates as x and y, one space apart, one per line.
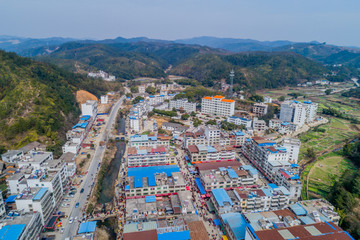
331 21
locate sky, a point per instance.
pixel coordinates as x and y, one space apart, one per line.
332 21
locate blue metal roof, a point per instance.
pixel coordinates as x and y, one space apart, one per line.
306 220
285 123
211 149
236 223
11 199
127 187
294 165
40 194
87 227
232 173
221 196
295 177
150 199
152 138
298 209
183 235
239 133
200 186
217 222
308 102
273 185
138 138
284 190
247 167
267 192
150 172
253 171
11 232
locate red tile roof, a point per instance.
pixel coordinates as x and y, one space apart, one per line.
193 149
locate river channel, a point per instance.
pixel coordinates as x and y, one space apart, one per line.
108 185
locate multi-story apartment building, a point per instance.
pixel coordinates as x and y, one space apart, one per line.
249 199
183 104
297 112
274 123
274 160
239 121
147 140
260 109
2 206
292 146
207 153
89 108
23 227
212 134
149 156
36 200
287 128
218 105
155 180
258 125
196 138
142 88
176 128
311 111
226 175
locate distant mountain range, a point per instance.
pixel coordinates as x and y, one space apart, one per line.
321 52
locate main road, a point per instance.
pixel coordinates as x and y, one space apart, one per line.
70 230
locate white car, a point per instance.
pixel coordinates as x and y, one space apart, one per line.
71 220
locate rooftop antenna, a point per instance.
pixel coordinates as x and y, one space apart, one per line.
231 82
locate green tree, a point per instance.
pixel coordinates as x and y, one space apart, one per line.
257 98
310 153
88 155
328 91
211 122
134 89
193 114
185 116
281 98
137 100
150 90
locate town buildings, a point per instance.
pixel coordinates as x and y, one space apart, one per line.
23 227
183 104
239 121
226 174
101 74
148 140
277 162
297 112
156 180
149 156
217 105
209 153
260 109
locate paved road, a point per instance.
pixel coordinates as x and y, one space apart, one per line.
71 229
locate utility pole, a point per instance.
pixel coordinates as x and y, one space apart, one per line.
231 82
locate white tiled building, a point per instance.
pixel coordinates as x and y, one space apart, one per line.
297 112
89 108
149 156
184 104
218 105
239 121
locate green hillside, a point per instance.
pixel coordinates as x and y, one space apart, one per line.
90 57
37 100
255 70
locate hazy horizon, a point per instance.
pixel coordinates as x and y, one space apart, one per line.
329 21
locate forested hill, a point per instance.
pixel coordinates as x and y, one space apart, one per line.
37 100
254 70
207 65
124 60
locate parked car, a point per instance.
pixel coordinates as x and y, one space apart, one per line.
71 220
82 190
77 205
